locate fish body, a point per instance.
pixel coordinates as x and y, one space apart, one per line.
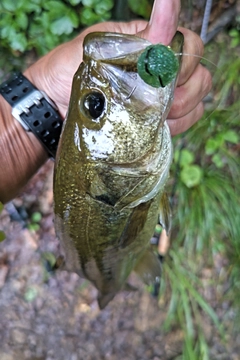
112 164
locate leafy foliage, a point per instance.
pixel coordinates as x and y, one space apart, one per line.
205 213
44 24
34 221
141 7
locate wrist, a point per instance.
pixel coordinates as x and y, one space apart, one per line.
34 110
21 154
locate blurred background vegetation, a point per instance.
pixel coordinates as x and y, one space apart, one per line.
204 182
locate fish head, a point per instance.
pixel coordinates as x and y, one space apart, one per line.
115 116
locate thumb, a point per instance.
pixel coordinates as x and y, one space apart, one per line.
163 22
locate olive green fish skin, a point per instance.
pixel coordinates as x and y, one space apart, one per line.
112 163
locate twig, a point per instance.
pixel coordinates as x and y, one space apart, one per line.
205 22
225 19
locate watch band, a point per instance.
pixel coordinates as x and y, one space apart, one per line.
34 110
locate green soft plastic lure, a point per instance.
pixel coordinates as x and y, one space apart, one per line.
158 65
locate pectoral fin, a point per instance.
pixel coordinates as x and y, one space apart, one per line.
148 268
165 216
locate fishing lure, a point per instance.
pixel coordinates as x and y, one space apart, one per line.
157 65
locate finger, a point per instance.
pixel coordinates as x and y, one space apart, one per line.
193 48
187 96
183 123
132 27
163 22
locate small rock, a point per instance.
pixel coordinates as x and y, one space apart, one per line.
3 274
18 336
5 356
74 356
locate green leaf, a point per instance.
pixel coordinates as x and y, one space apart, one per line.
74 18
234 33
220 139
88 3
158 229
12 5
1 206
74 2
33 6
22 20
186 157
61 26
141 7
6 21
103 7
36 217
88 16
2 236
56 8
217 159
49 257
19 42
191 175
234 42
211 146
30 294
8 32
231 136
33 227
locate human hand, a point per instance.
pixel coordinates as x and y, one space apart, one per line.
53 73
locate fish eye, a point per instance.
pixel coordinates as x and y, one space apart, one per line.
94 104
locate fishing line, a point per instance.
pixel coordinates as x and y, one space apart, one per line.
198 56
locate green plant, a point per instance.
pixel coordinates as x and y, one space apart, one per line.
43 24
206 197
187 306
235 37
95 11
205 223
141 7
30 294
206 179
35 219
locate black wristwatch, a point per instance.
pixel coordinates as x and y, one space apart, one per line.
34 110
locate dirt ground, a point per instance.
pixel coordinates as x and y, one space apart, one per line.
48 316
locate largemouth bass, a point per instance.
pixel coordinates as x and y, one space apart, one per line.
112 164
